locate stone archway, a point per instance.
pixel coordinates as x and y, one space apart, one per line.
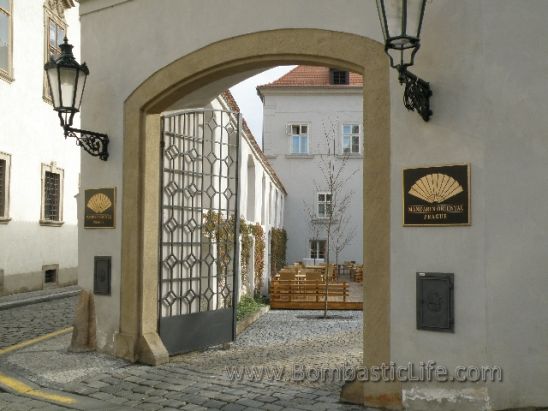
138 339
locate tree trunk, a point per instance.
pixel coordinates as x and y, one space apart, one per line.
327 269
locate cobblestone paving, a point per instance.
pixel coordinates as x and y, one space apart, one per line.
180 387
29 321
199 381
10 402
287 341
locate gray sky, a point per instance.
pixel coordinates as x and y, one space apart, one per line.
250 104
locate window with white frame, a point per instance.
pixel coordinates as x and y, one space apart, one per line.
299 138
351 139
55 31
6 39
52 195
5 165
317 248
324 205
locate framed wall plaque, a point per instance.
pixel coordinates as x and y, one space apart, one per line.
436 196
99 210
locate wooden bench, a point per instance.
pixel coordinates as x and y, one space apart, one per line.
310 294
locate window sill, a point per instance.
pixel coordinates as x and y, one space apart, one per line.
4 220
50 223
300 156
350 156
6 77
320 220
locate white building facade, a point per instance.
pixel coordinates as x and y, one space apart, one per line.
313 115
39 169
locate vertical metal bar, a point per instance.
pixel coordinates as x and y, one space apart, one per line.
181 163
236 262
404 18
171 210
219 208
160 220
194 207
385 21
421 16
202 196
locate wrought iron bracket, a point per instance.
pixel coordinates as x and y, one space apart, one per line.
93 143
417 93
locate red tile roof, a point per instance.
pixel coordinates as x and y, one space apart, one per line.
312 76
248 135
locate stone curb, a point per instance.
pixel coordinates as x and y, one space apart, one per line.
38 299
246 322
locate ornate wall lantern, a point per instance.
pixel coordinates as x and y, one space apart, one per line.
66 80
401 22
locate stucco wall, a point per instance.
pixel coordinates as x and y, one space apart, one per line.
325 112
487 65
31 134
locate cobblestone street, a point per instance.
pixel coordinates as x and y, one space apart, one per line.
199 381
22 323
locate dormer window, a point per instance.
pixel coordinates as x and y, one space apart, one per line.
338 77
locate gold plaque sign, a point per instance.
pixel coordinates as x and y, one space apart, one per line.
436 196
99 208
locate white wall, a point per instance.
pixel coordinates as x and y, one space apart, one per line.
31 133
249 151
323 111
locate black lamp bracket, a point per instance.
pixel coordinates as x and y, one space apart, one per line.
94 143
417 93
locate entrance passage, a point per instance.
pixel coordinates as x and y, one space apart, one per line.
199 228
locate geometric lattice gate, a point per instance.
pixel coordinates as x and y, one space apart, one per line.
199 228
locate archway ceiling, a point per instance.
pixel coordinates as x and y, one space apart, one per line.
203 96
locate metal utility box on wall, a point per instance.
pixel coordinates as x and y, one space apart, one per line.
435 302
102 275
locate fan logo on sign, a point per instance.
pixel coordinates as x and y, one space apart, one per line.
99 203
435 189
99 210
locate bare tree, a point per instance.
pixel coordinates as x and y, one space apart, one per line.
343 232
333 177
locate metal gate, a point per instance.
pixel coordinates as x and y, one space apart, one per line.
199 228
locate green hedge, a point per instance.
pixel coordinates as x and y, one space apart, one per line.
278 245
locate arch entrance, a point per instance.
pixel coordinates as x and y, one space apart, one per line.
138 338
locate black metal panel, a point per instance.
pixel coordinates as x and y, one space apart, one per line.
435 302
102 275
191 332
199 228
